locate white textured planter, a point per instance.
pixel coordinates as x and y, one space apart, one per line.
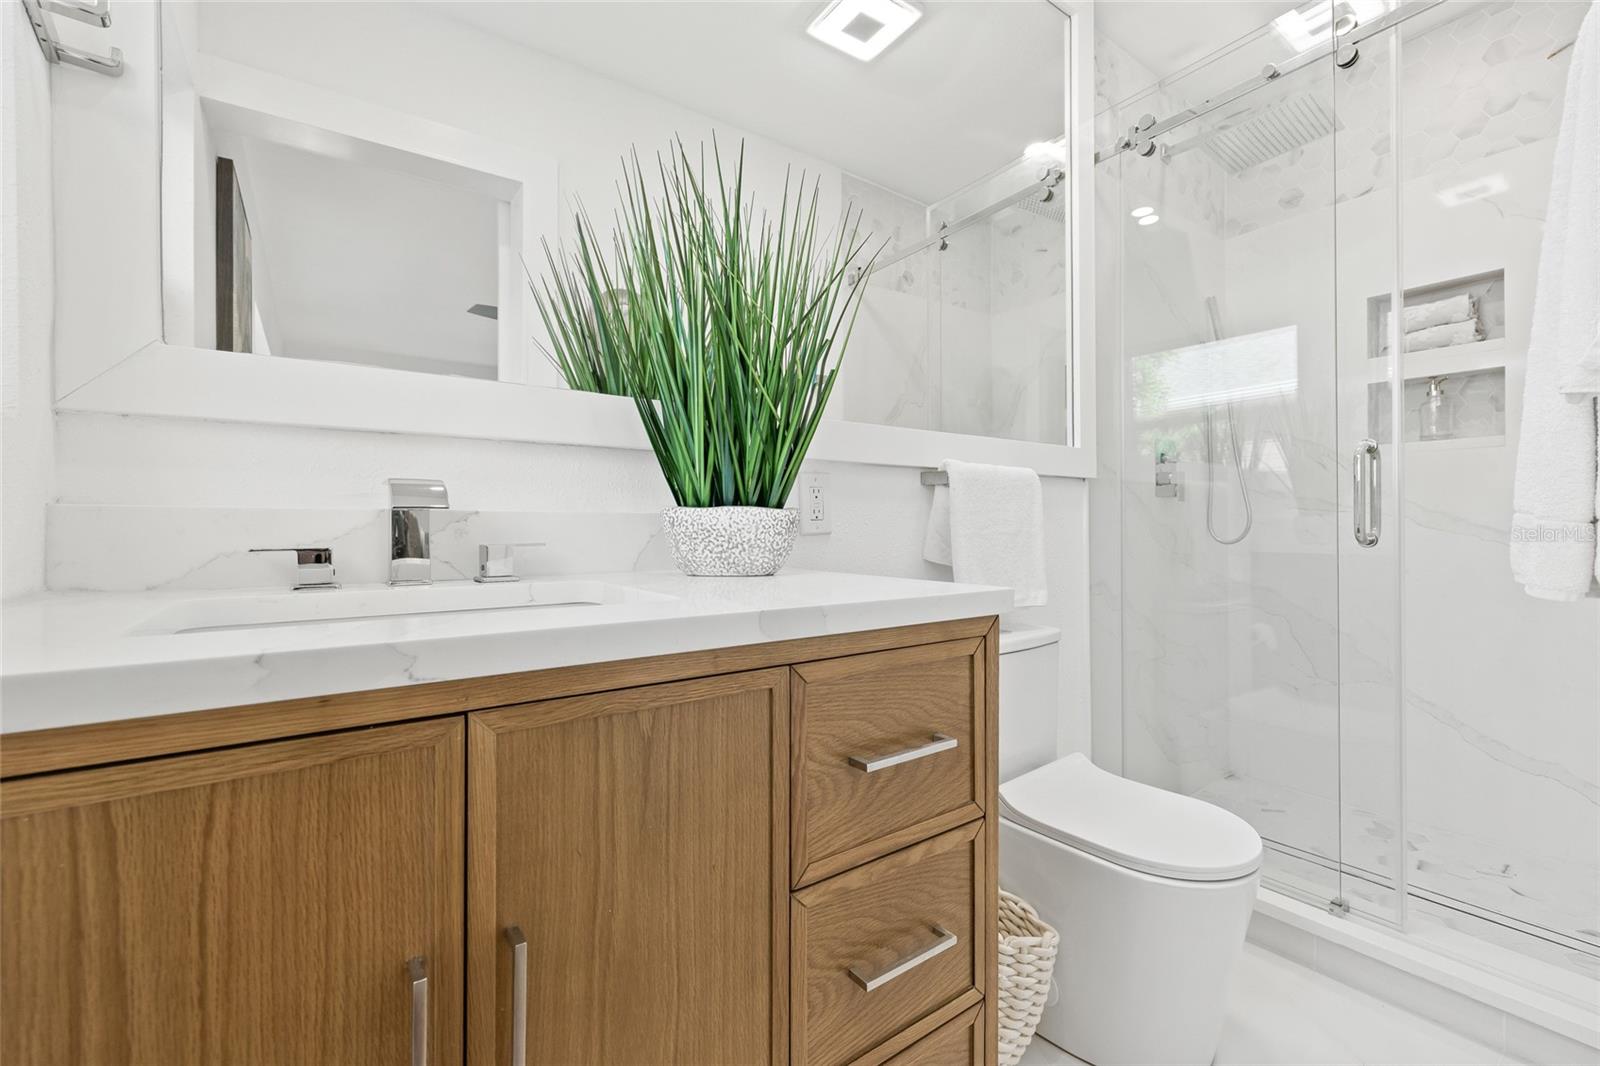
730 541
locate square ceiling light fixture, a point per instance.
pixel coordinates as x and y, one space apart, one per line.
863 28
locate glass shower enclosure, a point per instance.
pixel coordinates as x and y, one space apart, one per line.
1312 622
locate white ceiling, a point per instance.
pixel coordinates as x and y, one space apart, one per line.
1168 35
956 98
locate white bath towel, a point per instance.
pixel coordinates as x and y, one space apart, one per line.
1557 492
988 527
1566 311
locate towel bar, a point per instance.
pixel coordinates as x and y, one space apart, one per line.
935 477
93 12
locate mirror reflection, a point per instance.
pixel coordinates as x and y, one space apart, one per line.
374 183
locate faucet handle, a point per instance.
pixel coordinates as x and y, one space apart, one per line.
497 562
313 567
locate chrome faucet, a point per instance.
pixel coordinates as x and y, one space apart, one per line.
410 500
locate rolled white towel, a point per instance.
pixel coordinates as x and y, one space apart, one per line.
1414 317
1466 332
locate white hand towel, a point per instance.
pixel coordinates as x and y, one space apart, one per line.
1557 492
988 527
1421 340
1566 307
1457 308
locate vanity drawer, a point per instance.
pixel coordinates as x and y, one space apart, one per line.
958 1042
885 945
888 751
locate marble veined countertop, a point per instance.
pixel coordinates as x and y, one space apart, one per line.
77 658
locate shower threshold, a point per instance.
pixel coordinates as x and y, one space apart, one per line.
1424 978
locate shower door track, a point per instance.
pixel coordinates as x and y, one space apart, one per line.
1044 189
1153 128
1553 937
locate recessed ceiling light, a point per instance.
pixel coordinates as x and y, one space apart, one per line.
1315 23
863 28
1149 220
1140 212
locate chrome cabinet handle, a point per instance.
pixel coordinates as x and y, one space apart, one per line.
418 970
519 994
946 941
1367 474
871 765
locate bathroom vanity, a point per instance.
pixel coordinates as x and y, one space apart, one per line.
716 822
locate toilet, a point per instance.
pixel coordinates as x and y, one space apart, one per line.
1150 890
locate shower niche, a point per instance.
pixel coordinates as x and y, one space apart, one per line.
1453 334
1464 409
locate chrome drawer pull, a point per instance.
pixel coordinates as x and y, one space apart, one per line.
946 941
939 743
519 994
417 970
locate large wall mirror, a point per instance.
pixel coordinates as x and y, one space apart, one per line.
373 183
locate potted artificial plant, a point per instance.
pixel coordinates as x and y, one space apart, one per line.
727 328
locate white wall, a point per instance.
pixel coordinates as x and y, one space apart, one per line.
448 73
26 296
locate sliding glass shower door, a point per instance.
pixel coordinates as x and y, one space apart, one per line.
1318 296
1259 579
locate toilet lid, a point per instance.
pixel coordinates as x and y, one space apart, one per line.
1136 826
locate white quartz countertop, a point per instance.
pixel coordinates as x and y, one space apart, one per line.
77 658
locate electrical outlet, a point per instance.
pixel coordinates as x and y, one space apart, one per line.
814 514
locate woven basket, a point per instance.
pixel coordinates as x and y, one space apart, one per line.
1027 959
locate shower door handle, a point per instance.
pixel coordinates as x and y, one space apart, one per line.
1367 472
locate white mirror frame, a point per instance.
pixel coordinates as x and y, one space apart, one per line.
287 112
171 381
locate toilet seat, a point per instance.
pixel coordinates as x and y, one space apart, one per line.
1133 825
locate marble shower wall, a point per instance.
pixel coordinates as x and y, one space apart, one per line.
1267 676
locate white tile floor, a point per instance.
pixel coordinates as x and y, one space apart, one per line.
1283 1014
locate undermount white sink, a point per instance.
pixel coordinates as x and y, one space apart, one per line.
365 603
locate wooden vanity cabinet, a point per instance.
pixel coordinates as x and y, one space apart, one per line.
636 842
769 854
255 905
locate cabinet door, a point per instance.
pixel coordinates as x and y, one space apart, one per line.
637 843
256 905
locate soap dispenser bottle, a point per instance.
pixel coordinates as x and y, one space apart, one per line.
1436 413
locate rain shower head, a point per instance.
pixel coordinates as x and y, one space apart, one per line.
1052 205
1254 135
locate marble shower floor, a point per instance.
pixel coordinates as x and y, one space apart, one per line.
1502 891
1280 1012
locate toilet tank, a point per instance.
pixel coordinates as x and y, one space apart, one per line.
1030 673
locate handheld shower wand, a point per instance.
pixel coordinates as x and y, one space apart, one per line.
1233 442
